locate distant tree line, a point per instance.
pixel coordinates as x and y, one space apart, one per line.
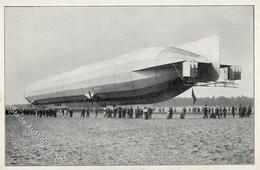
213 101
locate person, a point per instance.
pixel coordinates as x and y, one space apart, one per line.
225 112
40 113
96 111
63 112
182 115
71 112
114 112
127 112
146 116
221 112
217 112
131 113
205 110
233 111
47 112
66 112
141 113
83 111
124 113
170 113
119 112
110 111
87 113
150 112
240 111
55 113
212 113
175 111
137 112
249 111
105 112
244 111
51 112
44 112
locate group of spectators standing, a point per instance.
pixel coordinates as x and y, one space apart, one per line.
67 112
85 113
211 112
48 112
130 113
221 112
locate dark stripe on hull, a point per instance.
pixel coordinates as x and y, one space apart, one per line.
165 91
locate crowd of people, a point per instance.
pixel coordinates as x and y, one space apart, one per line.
48 112
130 113
221 112
85 112
211 112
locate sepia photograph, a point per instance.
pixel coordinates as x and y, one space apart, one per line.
129 85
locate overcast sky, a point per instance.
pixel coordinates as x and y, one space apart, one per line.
43 41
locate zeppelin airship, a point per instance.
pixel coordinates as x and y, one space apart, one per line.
144 76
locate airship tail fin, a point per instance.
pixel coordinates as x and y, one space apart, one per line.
210 49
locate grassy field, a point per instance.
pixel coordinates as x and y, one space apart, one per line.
103 141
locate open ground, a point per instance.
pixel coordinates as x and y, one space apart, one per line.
104 141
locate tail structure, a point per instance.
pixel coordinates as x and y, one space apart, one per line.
208 48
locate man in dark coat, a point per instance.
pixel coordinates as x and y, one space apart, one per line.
83 112
119 112
183 113
63 112
96 111
205 110
244 111
169 116
233 111
249 111
131 112
137 112
88 112
225 112
71 112
150 112
240 111
217 112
